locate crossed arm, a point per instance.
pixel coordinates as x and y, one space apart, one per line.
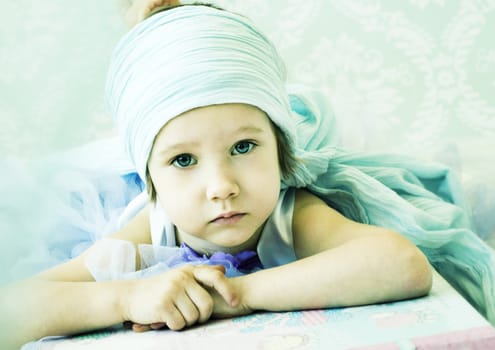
340 263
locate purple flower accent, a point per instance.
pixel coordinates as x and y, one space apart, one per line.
235 265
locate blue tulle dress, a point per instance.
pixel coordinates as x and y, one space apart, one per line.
54 208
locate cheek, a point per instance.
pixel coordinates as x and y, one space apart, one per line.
265 182
177 206
172 193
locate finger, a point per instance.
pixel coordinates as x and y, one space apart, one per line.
174 319
202 300
158 325
158 5
213 278
220 268
187 308
139 328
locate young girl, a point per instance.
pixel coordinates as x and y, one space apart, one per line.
235 165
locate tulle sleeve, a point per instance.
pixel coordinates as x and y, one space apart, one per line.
112 259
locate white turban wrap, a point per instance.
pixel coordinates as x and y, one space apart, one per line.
194 56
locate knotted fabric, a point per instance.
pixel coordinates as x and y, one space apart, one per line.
194 56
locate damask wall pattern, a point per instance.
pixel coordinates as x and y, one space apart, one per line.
410 76
413 76
53 60
416 76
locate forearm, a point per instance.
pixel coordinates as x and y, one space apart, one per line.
36 308
362 271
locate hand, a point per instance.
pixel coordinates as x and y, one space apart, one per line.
221 307
140 9
175 298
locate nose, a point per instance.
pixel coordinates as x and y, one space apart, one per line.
221 184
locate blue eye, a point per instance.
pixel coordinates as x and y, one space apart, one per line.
183 161
243 147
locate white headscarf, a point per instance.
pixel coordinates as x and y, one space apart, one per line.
189 57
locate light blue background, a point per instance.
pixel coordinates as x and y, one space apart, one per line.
53 61
416 76
412 76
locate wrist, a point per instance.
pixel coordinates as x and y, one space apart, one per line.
123 293
242 301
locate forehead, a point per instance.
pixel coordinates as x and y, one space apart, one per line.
215 120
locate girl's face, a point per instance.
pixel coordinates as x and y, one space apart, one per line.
216 174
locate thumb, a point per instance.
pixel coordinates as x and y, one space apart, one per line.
212 276
220 268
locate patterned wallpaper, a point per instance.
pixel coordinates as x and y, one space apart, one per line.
53 60
409 76
415 76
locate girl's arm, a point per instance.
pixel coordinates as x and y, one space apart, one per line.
66 300
137 231
340 263
63 299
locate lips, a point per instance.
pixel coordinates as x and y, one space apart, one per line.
228 218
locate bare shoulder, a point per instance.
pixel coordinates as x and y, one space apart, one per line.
311 212
136 231
305 198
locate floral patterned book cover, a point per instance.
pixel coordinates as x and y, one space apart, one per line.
443 320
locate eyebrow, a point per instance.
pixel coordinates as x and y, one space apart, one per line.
182 145
250 128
